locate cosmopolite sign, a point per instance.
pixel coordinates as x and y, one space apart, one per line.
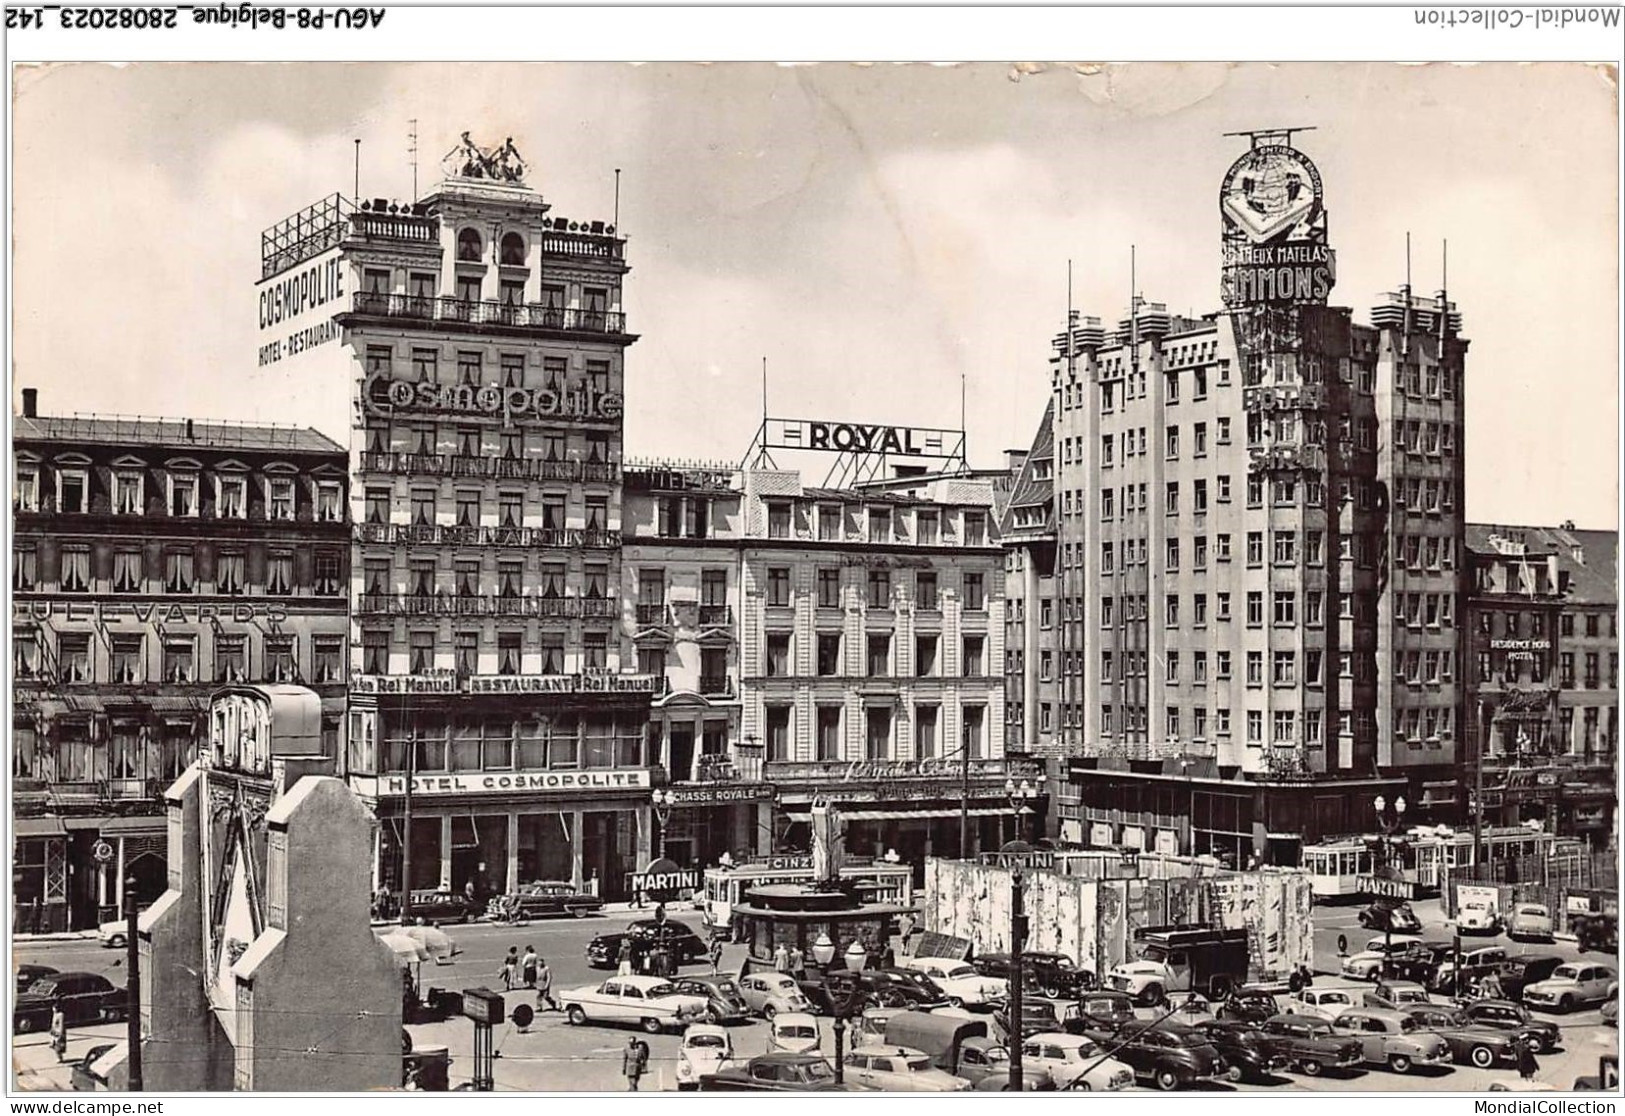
861 437
1274 230
507 782
313 286
388 397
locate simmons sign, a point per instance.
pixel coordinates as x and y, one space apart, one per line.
1274 248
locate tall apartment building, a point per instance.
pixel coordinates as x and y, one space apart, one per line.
153 560
485 340
1543 652
1259 511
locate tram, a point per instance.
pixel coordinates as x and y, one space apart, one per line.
1433 853
874 882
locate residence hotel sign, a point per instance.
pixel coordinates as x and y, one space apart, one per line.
1274 231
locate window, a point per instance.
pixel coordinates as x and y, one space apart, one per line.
1171 501
327 659
879 525
829 654
73 654
23 569
278 576
1255 726
1222 605
26 498
329 508
279 659
468 246
879 655
877 732
829 587
1255 492
972 663
1255 548
1171 668
1107 550
597 508
1172 555
1173 443
73 490
127 654
925 525
177 571
1171 609
231 656
778 654
279 504
594 651
1106 612
1286 547
925 655
1286 606
466 652
1285 668
975 601
127 493
975 529
1255 668
1255 608
973 736
879 588
1106 450
552 649
778 586
829 732
1284 725
778 521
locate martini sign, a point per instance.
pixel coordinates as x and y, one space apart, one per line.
1275 250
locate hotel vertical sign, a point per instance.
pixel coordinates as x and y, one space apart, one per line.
1274 240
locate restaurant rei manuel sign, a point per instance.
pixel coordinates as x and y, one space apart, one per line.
1274 246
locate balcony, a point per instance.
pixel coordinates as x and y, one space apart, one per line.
413 604
651 615
716 616
487 468
716 685
583 245
395 226
438 534
468 312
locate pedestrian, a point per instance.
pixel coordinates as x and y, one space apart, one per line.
510 968
1490 988
634 1062
623 966
716 955
544 987
59 1032
1527 1065
781 959
888 959
527 967
660 914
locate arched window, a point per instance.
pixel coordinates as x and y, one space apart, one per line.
513 250
468 246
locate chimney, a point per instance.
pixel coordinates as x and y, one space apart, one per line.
30 402
191 435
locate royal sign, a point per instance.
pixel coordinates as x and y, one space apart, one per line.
388 397
861 437
1274 231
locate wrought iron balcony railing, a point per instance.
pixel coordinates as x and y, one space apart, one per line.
519 315
440 534
487 468
413 604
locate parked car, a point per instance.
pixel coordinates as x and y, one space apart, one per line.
1310 1045
436 908
1368 963
1054 975
1070 1061
932 993
1476 964
1530 921
1249 1005
962 984
1106 1010
1396 995
1470 1043
84 998
604 951
767 994
1477 916
28 974
1037 1017
1420 961
899 1069
1571 985
706 1049
113 935
1249 1053
866 989
546 899
1392 1039
1320 1003
1610 1006
775 1073
1169 1055
962 1044
1523 969
793 1032
1597 932
724 1003
1542 1034
651 1002
1386 916
1192 1009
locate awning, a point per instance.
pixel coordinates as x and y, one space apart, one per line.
172 704
150 824
75 705
905 815
84 823
37 827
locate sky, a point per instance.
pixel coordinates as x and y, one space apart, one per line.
877 233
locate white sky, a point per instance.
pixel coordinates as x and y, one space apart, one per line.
874 232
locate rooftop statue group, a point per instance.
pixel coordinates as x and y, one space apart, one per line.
499 164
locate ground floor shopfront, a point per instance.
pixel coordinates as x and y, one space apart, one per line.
709 820
70 873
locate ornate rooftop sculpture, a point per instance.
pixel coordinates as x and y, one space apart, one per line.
496 164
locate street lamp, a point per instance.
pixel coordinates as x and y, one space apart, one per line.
1020 795
823 951
1388 845
663 800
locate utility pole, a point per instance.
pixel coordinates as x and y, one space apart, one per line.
1478 790
132 990
964 795
406 823
1018 942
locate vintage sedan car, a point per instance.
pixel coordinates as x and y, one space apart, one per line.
1069 1061
1420 961
1320 1003
1249 1054
1169 1055
1476 964
725 1003
434 908
841 990
604 951
706 1049
1392 1039
1523 969
1477 916
650 1002
114 934
1191 1009
899 1069
83 997
1249 1005
1387 916
1610 1006
1054 975
1530 922
962 984
1396 995
546 899
1310 1045
776 1073
1470 1043
767 994
1542 1034
932 993
1367 964
793 1032
1106 1010
28 974
1571 985
1037 1017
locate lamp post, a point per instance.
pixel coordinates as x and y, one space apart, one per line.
1020 795
1391 842
1018 943
663 800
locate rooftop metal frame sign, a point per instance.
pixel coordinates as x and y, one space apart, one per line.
865 449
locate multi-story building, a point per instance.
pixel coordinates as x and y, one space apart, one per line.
1259 510
492 714
1542 644
872 626
153 560
681 570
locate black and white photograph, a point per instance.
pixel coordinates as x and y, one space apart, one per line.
592 577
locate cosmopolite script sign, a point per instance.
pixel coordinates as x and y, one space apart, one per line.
388 397
507 782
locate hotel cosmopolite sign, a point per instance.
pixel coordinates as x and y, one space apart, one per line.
1274 231
296 308
388 397
507 782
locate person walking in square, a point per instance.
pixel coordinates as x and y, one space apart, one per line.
527 967
510 968
716 955
1527 1065
634 1062
544 987
623 966
59 1032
